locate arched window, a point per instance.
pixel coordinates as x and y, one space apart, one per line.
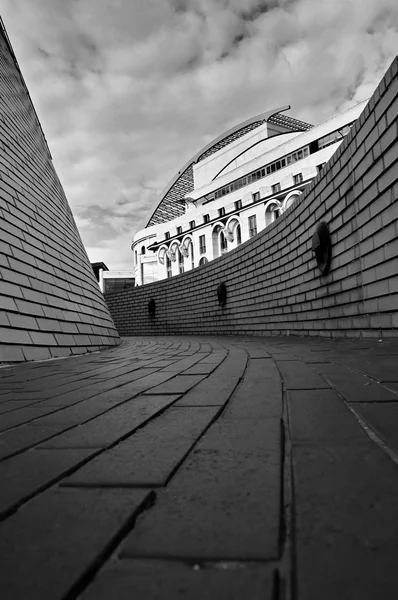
203 261
180 262
168 266
192 256
272 212
143 250
290 198
136 256
223 243
238 234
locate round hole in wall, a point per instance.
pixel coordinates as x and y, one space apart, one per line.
151 307
322 247
222 294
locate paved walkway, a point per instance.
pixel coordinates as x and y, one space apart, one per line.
217 468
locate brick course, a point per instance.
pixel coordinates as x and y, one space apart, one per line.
273 284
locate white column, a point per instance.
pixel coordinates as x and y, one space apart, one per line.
101 280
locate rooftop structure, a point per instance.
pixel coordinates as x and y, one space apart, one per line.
231 189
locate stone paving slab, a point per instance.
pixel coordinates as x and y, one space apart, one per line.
321 416
48 545
22 476
136 462
113 425
354 386
155 579
382 419
346 518
228 467
208 514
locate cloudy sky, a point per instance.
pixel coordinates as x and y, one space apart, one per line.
128 90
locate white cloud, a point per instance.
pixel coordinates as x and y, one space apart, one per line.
127 91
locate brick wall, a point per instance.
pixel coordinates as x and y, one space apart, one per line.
273 283
50 302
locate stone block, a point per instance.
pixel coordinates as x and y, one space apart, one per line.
260 394
114 425
353 386
382 418
155 579
25 475
137 462
218 387
74 528
321 416
298 376
346 530
223 503
179 384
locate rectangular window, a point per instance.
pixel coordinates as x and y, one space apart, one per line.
167 235
256 196
276 188
206 218
179 230
252 226
202 244
191 224
238 204
298 178
221 211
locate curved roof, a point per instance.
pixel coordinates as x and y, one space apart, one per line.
169 204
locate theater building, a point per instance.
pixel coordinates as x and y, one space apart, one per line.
233 188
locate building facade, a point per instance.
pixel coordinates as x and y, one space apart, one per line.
232 189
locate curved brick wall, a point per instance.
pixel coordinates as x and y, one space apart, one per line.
272 280
50 302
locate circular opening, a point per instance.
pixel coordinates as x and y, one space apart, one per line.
222 294
151 307
322 247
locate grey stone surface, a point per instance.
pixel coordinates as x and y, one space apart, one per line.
220 500
354 386
149 456
50 543
298 376
346 500
260 393
382 418
178 385
285 356
321 415
384 368
201 368
168 580
26 473
22 416
224 502
113 425
75 414
20 438
217 388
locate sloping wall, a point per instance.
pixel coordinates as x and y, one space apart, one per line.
273 283
50 302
